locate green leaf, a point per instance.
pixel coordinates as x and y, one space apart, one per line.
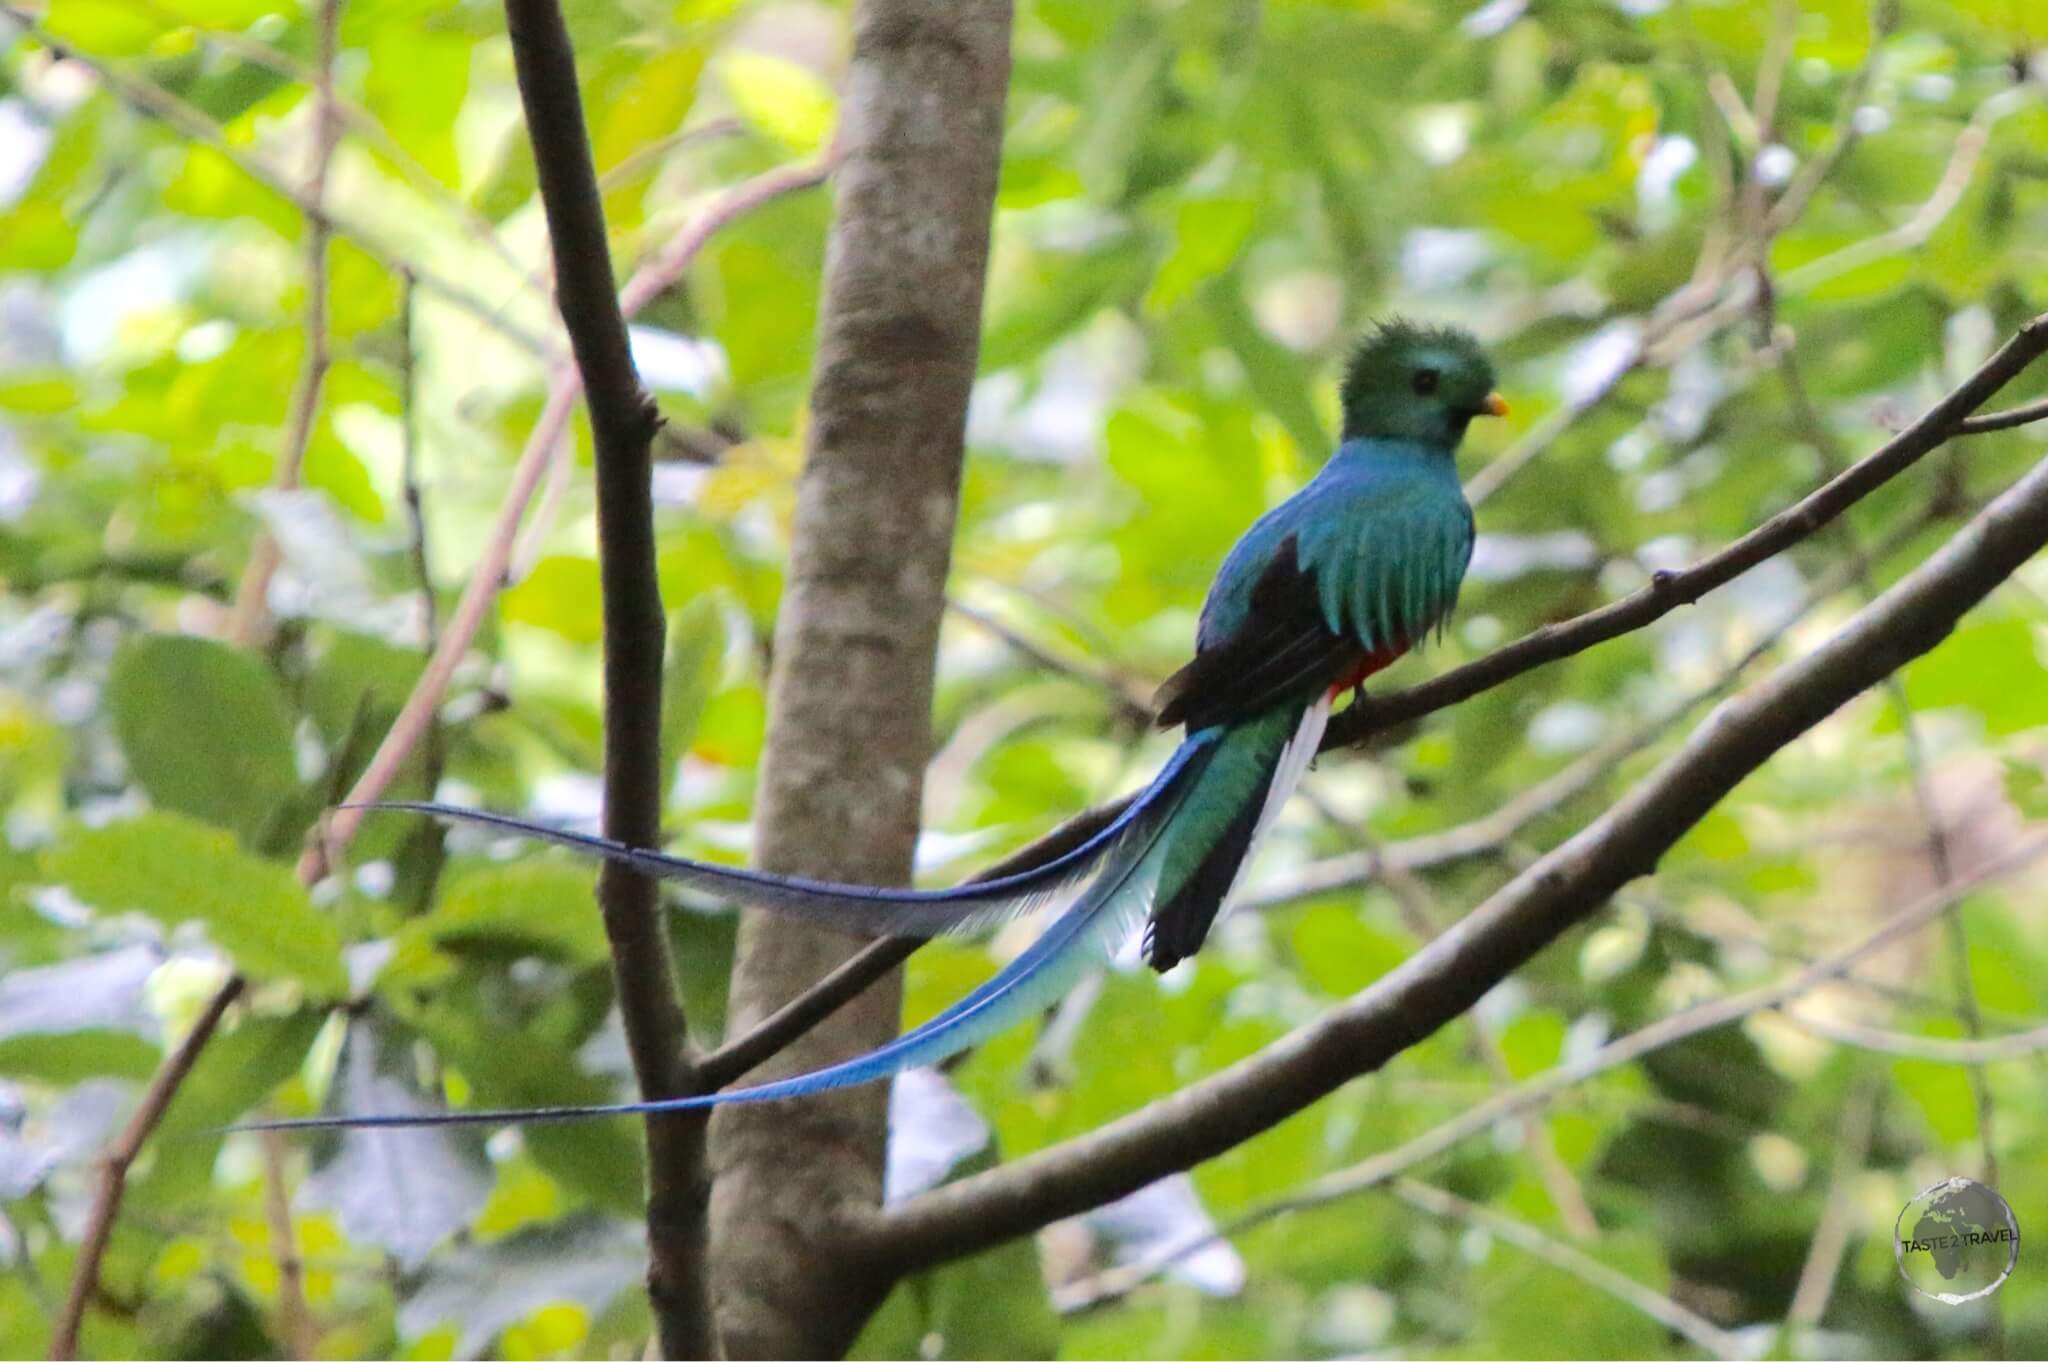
560 595
204 727
176 871
1207 236
107 28
545 905
1992 669
776 95
414 83
2026 785
696 645
65 1057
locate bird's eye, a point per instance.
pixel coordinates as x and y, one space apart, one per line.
1425 381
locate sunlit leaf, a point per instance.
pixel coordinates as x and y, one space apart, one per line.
176 871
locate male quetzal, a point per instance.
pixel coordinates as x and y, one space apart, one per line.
1320 593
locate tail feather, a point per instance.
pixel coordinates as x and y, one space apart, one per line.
1176 853
878 911
1252 778
1131 872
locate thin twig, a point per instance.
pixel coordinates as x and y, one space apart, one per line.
2005 420
1838 1214
642 157
1576 1261
301 1334
433 751
1933 1049
114 1164
250 620
1116 689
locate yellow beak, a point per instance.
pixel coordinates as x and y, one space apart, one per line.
1494 405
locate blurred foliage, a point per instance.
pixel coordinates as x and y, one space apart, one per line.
1201 200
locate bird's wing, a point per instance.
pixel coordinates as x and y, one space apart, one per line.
1358 574
1282 649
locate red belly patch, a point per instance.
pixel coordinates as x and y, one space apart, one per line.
1367 664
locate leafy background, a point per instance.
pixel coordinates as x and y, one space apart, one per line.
1200 203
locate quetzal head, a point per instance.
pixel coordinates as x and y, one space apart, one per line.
1417 383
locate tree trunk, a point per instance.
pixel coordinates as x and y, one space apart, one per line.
849 727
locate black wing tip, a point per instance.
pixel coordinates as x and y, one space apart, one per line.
1160 956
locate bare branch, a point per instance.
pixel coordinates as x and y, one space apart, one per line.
2005 420
622 420
114 1164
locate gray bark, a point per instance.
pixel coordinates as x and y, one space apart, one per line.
850 698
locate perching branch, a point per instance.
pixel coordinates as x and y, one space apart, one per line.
1561 889
623 420
1670 590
